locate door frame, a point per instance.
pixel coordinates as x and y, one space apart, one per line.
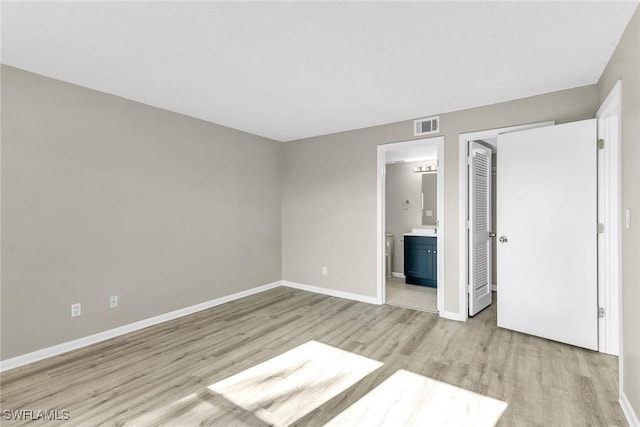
381 214
463 203
609 116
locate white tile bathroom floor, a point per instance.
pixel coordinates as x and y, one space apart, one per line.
416 297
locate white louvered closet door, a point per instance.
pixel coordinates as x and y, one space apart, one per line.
479 227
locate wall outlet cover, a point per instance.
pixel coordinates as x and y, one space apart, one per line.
325 271
76 310
113 301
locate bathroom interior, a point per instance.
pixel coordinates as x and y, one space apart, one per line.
411 232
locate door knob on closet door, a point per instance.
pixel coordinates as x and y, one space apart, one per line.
503 239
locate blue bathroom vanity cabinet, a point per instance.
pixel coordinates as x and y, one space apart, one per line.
421 260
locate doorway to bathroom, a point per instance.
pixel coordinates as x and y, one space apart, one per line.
411 224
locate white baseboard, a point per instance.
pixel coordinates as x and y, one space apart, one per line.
494 287
331 292
632 417
453 316
400 275
55 350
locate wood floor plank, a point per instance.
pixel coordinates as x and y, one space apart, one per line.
161 375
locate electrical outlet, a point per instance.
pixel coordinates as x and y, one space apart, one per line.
113 301
76 310
325 271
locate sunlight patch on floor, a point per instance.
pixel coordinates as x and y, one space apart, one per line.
289 386
406 398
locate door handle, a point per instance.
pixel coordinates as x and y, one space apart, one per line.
503 239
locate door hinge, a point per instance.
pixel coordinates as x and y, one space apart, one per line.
600 228
601 312
600 143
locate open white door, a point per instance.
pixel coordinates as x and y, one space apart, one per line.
479 227
547 250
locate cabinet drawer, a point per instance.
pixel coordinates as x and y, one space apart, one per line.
420 240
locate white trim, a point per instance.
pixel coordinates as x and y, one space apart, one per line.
440 289
453 316
400 275
629 413
492 133
330 292
55 350
609 117
463 142
381 289
380 211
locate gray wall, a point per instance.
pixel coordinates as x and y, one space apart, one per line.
104 196
430 199
401 184
625 64
329 191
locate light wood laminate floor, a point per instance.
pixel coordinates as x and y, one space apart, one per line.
287 356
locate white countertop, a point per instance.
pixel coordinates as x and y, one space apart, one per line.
429 232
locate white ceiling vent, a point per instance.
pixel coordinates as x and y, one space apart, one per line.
426 126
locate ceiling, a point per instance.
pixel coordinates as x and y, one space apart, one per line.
289 70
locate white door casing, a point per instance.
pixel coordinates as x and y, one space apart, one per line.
547 223
609 117
479 227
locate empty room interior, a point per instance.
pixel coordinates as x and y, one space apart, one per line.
320 213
